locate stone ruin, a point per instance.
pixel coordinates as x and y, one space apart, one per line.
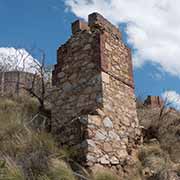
12 82
94 109
154 101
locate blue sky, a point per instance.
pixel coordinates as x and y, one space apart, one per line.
46 24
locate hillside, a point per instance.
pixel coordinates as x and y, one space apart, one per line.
12 59
27 152
160 153
85 127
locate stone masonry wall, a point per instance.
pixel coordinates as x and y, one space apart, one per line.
94 104
12 82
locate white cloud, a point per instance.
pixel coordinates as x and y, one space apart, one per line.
17 59
172 98
156 76
153 27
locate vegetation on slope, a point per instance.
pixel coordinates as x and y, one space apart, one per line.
160 153
28 152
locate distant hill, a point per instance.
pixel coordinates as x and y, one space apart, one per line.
12 59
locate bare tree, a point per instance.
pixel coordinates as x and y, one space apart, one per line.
40 79
168 105
153 119
40 83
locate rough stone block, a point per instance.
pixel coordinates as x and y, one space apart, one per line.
105 77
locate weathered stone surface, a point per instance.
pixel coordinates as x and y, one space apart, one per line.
114 160
99 99
86 47
101 135
96 120
91 143
101 113
122 153
105 77
73 77
108 147
107 122
91 158
108 47
83 120
67 86
104 160
114 136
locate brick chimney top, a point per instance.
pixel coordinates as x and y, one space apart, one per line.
96 21
78 26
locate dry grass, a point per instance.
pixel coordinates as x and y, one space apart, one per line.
161 152
166 131
30 154
105 175
27 153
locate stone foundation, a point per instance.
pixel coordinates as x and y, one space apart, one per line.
94 107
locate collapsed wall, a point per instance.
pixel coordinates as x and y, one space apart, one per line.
154 101
13 82
94 107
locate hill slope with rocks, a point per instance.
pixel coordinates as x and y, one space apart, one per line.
28 152
160 153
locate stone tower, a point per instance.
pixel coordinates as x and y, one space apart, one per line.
94 103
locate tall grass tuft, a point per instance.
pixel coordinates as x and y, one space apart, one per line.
60 170
11 171
105 175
